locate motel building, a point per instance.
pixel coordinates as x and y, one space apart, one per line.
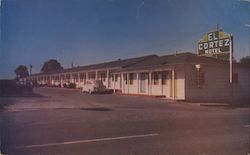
180 76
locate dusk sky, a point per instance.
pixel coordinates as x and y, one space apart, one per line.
93 31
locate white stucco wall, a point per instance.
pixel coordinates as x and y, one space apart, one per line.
157 89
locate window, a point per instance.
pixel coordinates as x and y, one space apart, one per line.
131 78
67 77
82 76
149 80
164 78
125 78
200 78
155 78
112 77
103 76
116 77
92 76
75 77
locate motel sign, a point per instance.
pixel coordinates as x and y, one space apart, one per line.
216 44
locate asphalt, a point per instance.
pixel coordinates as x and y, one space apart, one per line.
67 122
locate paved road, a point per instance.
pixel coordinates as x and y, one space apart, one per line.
66 122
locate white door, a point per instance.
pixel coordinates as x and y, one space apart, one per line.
143 82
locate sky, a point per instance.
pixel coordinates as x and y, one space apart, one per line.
92 31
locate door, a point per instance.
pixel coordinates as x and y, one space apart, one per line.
143 82
173 85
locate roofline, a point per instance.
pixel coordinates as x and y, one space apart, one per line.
121 68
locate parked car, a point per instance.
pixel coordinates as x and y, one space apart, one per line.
93 86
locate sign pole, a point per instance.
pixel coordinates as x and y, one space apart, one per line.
231 66
231 59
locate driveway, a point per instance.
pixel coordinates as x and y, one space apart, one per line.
65 121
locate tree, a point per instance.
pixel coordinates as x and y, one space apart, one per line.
21 71
245 60
51 65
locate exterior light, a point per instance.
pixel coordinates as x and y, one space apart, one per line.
197 66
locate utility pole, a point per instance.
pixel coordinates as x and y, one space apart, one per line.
31 69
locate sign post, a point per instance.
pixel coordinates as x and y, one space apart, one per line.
231 59
231 67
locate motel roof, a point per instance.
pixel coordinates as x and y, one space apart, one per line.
146 62
180 58
117 64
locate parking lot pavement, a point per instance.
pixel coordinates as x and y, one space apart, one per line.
67 122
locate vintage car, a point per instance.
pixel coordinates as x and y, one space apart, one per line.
93 86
